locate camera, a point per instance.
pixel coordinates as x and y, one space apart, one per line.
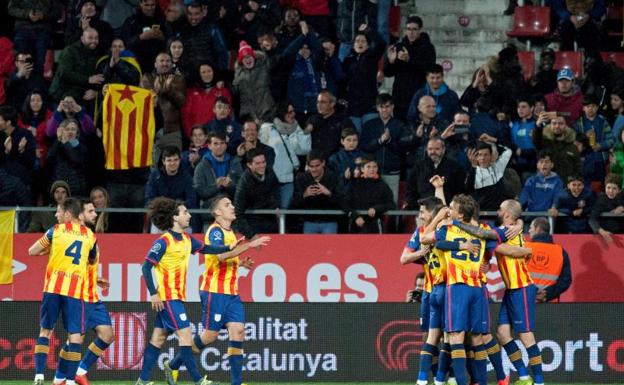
462 129
416 296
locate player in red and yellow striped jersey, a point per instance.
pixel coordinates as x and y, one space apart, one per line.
221 304
432 304
96 314
518 307
71 246
169 257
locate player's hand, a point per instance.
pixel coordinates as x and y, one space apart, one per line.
484 268
513 231
247 262
472 248
157 303
235 243
541 295
103 283
260 241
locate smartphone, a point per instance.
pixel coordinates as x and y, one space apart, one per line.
462 129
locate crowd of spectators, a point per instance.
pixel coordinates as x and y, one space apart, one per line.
278 105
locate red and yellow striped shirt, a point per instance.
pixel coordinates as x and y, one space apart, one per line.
220 276
70 244
170 255
90 289
462 266
514 271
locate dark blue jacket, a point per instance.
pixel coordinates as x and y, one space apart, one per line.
230 128
447 103
540 193
178 186
388 154
568 203
343 160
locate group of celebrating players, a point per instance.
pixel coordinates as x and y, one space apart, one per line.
71 280
455 251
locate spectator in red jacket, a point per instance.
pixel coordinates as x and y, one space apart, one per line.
202 96
567 99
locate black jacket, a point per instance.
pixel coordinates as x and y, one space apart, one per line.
317 202
145 50
69 163
409 76
326 133
253 193
604 205
362 194
418 185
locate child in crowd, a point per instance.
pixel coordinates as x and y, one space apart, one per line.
345 163
576 202
541 191
610 201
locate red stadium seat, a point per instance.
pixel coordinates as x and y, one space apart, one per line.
527 61
530 22
570 59
615 57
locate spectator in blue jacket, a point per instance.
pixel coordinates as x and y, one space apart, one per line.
170 180
224 123
346 161
447 101
577 203
541 191
522 137
483 127
598 132
381 137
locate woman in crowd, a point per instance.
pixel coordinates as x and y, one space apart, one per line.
99 197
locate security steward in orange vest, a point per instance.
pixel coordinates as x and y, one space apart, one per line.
549 265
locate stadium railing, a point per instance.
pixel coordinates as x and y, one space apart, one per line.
281 214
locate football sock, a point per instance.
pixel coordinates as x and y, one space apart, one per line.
150 355
444 363
434 362
187 357
72 357
95 351
426 356
235 351
470 364
535 362
496 358
458 355
42 347
480 364
515 356
61 367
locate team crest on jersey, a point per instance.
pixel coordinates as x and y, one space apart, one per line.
217 235
183 316
217 317
156 248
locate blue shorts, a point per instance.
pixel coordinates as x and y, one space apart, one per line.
463 309
71 309
487 328
173 317
220 309
96 315
424 311
518 309
436 306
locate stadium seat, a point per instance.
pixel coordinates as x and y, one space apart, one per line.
570 59
527 61
615 57
615 14
530 22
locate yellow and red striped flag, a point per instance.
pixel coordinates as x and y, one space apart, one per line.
7 223
129 127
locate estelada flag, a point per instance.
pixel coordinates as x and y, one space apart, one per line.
128 127
7 219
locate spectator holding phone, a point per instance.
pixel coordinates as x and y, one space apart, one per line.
553 135
22 80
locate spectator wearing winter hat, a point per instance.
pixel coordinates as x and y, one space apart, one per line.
41 221
252 82
87 15
567 99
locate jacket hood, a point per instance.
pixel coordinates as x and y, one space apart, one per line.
568 135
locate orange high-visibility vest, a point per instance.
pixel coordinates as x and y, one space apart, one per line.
545 264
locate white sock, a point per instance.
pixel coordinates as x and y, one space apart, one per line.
70 382
39 377
421 382
81 372
524 377
57 380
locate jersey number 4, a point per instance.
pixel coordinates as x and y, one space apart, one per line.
74 251
462 255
